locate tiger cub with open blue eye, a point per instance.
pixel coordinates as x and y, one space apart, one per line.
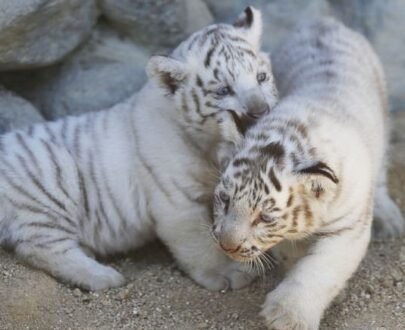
110 181
308 171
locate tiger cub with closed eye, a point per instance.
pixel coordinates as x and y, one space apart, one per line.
308 170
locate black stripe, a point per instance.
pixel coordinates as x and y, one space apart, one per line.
83 190
56 240
30 130
76 140
187 195
38 184
47 225
242 161
207 60
320 168
58 171
274 180
246 51
50 133
101 208
196 102
147 166
29 152
199 82
36 210
64 130
111 196
98 227
193 41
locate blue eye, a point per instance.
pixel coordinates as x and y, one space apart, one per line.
223 91
261 77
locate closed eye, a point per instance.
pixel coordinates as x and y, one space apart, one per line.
224 197
267 218
224 91
264 218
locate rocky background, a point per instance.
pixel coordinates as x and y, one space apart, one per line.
63 57
66 57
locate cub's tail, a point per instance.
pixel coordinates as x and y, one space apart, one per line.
388 219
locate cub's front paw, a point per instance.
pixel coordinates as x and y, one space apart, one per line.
104 278
288 312
231 276
238 275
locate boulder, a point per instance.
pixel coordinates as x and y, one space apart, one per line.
15 112
106 70
157 24
35 33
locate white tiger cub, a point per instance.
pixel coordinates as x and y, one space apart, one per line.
308 171
110 181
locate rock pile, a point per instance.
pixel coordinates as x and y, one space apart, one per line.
66 57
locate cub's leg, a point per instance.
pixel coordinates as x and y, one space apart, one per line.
189 239
287 253
301 298
64 259
52 246
388 218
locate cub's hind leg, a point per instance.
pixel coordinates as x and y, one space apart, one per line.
39 239
63 258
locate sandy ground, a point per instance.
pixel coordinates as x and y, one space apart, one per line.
159 296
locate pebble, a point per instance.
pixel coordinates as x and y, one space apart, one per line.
397 275
235 316
123 294
77 292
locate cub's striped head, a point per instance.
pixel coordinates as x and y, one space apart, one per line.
218 68
263 197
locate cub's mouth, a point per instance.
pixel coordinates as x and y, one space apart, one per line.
240 253
256 262
258 114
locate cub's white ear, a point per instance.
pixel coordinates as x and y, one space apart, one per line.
232 129
320 180
167 72
250 23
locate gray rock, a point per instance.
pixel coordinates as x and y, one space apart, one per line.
108 69
162 23
35 33
16 112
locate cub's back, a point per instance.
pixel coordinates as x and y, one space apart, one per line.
325 60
